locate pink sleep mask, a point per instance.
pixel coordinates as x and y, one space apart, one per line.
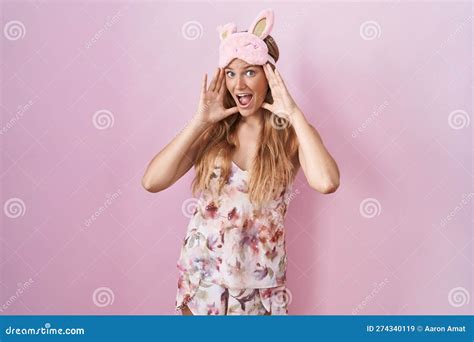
248 46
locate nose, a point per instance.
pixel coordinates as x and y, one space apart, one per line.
240 83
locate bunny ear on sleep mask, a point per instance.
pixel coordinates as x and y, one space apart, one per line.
248 46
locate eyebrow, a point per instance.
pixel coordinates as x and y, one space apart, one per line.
250 66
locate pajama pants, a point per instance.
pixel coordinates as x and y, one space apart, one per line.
213 299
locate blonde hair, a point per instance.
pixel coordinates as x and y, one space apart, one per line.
274 165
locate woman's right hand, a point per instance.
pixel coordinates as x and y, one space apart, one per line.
211 103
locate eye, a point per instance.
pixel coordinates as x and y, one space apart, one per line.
251 72
229 73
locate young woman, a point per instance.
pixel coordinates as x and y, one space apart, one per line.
247 142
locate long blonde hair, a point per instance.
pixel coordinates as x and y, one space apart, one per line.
274 165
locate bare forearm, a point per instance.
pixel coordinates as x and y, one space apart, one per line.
163 167
321 171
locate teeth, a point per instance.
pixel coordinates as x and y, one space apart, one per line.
243 94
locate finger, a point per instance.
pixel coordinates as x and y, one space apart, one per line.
269 72
223 87
212 86
279 78
273 75
219 81
215 79
267 106
270 76
231 111
267 75
204 82
283 88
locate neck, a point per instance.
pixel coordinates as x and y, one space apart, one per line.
254 121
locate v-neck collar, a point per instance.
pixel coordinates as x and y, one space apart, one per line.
239 167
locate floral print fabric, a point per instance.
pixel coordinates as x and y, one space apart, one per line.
212 299
232 244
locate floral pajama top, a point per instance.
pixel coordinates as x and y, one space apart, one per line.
232 244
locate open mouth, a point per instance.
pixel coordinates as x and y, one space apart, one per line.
244 99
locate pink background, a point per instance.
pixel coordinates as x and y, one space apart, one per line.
387 85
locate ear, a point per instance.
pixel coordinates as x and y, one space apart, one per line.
263 24
226 30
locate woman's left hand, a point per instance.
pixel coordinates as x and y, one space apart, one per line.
283 104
